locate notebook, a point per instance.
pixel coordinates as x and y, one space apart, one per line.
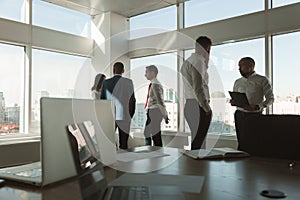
239 98
57 160
215 153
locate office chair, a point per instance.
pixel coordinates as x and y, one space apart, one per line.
273 136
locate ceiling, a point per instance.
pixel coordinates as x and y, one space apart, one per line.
126 8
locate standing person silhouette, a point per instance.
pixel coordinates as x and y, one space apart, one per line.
197 110
121 91
259 93
156 109
96 89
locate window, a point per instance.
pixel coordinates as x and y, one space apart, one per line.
286 73
13 10
167 75
223 71
153 22
278 3
58 75
201 12
11 88
61 19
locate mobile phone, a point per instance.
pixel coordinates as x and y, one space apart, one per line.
2 182
273 194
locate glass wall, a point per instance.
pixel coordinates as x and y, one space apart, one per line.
154 22
13 10
286 73
201 12
11 88
278 3
55 17
167 75
58 75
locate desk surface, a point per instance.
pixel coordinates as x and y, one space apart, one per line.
228 179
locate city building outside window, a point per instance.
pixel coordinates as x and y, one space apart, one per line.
11 89
58 75
286 73
167 75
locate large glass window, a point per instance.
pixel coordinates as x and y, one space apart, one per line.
201 12
13 10
278 3
167 75
286 73
153 22
61 19
223 71
58 75
11 88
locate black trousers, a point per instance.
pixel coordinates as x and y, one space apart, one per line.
123 128
152 128
198 122
239 118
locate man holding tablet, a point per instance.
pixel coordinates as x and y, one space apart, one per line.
257 89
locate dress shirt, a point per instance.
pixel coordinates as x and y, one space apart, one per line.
195 79
256 88
156 97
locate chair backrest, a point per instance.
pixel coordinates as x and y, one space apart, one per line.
274 136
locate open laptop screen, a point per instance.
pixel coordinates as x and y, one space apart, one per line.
84 144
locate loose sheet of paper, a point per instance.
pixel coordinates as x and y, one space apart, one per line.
184 182
131 156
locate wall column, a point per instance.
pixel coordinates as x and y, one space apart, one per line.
110 32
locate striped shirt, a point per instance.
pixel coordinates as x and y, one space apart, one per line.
258 91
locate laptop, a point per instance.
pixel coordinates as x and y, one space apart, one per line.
57 161
86 155
93 182
239 98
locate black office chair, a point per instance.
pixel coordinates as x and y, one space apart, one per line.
273 136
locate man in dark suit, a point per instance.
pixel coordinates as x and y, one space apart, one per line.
120 90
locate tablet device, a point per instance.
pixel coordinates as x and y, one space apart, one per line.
239 98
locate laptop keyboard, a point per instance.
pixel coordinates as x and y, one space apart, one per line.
35 172
128 192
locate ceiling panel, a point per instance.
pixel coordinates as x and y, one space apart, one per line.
127 8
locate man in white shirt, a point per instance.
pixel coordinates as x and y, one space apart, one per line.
197 110
258 91
156 109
